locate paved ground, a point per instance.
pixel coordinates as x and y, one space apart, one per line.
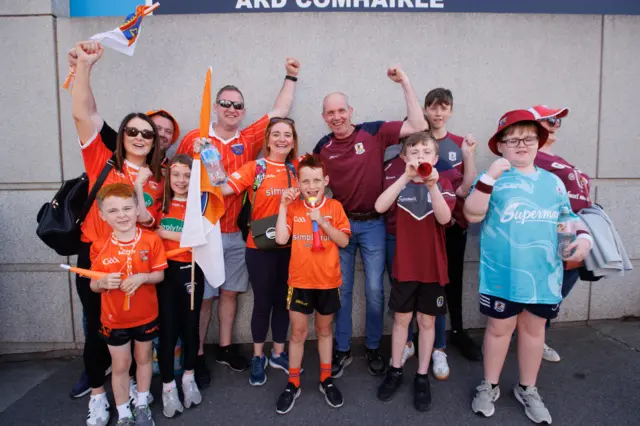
597 383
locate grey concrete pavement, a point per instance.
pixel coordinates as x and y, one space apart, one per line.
596 383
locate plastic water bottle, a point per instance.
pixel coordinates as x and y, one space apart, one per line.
212 161
566 236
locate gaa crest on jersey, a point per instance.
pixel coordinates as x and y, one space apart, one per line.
452 156
359 147
237 149
144 255
572 176
499 306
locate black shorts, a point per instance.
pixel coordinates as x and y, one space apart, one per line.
122 336
414 296
496 307
305 301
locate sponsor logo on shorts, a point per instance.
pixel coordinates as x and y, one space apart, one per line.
301 302
499 306
152 329
555 308
359 147
440 301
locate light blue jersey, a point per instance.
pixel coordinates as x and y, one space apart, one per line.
519 258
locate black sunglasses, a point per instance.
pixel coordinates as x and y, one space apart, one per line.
227 104
133 132
554 121
287 120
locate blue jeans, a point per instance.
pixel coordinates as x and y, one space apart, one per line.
569 279
369 236
440 341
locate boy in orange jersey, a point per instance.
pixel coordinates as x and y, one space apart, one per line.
134 261
314 276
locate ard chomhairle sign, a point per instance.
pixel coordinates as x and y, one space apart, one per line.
597 7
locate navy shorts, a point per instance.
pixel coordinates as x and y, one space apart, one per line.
496 307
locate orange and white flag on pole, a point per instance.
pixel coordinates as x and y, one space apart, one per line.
205 207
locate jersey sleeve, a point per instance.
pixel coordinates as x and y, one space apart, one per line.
186 145
454 177
109 136
389 133
448 193
157 258
341 221
290 214
94 255
243 178
254 135
95 156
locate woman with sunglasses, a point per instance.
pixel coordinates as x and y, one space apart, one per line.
138 163
268 266
576 182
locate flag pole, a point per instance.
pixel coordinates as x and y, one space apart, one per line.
193 276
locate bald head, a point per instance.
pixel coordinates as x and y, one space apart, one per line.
333 100
337 113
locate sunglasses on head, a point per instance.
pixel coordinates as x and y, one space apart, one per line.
554 121
228 104
287 120
133 132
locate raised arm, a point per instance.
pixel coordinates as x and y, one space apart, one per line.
468 156
415 116
477 204
441 209
390 195
282 106
83 103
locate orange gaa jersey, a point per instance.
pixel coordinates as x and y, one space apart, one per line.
173 221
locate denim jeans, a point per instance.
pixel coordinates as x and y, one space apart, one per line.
440 341
569 279
369 236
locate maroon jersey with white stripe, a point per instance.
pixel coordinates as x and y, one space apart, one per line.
578 183
421 253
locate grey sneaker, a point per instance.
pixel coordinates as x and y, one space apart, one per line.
484 399
98 411
533 406
171 403
133 395
143 417
127 421
191 393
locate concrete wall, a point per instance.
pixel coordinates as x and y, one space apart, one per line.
491 62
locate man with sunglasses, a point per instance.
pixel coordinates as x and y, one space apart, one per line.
236 147
168 134
353 155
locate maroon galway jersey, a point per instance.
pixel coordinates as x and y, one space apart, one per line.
577 182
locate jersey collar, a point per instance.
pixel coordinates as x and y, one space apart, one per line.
212 133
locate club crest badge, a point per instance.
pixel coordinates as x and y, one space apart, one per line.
440 301
359 147
499 306
144 255
237 149
452 156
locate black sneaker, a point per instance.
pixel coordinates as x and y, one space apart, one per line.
377 366
287 399
201 373
421 393
332 394
82 387
340 361
228 355
467 347
390 385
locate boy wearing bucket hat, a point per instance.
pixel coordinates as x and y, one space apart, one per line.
422 202
576 181
520 207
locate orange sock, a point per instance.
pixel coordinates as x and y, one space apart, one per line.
325 371
294 376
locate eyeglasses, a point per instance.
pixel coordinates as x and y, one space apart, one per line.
287 120
228 104
514 142
554 121
133 132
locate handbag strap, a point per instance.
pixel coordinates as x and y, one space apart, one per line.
261 171
94 191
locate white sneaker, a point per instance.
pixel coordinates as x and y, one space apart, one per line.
550 354
133 395
192 395
407 353
171 403
440 366
98 411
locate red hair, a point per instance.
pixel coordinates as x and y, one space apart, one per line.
121 190
312 161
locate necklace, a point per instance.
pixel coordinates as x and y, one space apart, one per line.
127 249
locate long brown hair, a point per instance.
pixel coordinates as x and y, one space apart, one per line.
155 156
293 154
168 192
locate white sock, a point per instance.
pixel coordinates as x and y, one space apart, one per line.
169 386
124 411
102 395
142 398
187 378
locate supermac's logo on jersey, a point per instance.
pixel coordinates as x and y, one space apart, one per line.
359 147
237 149
522 213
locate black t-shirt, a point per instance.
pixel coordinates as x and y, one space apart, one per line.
109 136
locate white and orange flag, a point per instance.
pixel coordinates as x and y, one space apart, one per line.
122 39
205 207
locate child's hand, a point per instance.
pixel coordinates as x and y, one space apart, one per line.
316 216
143 176
432 179
469 145
131 284
498 167
289 196
110 281
579 249
411 169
